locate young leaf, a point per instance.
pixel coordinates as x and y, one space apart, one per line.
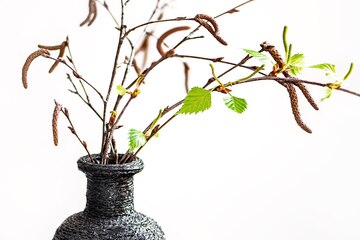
236 104
296 60
296 63
197 100
136 139
327 67
121 90
295 70
328 92
259 56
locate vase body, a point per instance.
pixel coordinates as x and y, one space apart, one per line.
109 213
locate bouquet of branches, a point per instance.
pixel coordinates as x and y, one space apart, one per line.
132 54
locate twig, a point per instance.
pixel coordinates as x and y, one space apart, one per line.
73 131
104 4
77 75
74 66
104 144
87 102
234 9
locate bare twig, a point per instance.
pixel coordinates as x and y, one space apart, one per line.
106 6
77 75
86 101
71 59
234 9
73 131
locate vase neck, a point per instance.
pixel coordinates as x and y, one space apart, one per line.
109 197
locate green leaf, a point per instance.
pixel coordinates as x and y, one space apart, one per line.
259 56
296 64
136 139
197 100
328 92
327 67
296 60
236 104
121 90
295 70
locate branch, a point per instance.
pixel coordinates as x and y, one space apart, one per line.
234 9
77 75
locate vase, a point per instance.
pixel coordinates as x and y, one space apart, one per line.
109 213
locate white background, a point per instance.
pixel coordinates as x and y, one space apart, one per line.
216 175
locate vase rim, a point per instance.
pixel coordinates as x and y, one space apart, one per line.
86 166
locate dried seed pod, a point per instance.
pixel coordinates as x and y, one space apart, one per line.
204 21
91 15
30 58
55 118
295 107
161 39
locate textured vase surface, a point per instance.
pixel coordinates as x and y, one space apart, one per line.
109 213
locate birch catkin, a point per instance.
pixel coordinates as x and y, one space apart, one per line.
161 39
61 49
295 107
282 65
55 118
204 21
30 58
91 15
307 95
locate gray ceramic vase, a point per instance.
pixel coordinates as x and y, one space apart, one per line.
109 213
